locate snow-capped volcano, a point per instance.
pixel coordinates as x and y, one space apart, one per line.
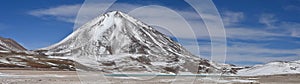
117 42
116 33
272 68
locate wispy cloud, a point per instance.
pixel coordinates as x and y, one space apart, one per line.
292 8
248 33
291 28
268 20
64 13
232 18
255 53
295 33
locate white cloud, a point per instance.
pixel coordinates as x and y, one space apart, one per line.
257 49
292 8
280 29
232 18
295 33
291 28
268 20
250 33
254 53
65 12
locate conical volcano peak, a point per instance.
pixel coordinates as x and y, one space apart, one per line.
118 39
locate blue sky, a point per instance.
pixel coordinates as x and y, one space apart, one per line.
258 31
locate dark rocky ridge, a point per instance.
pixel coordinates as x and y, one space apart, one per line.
10 45
13 55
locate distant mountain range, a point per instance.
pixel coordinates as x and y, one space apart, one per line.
278 67
7 44
13 55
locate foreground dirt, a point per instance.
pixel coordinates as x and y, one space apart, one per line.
277 79
18 76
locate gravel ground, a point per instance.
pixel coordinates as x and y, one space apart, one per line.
71 77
